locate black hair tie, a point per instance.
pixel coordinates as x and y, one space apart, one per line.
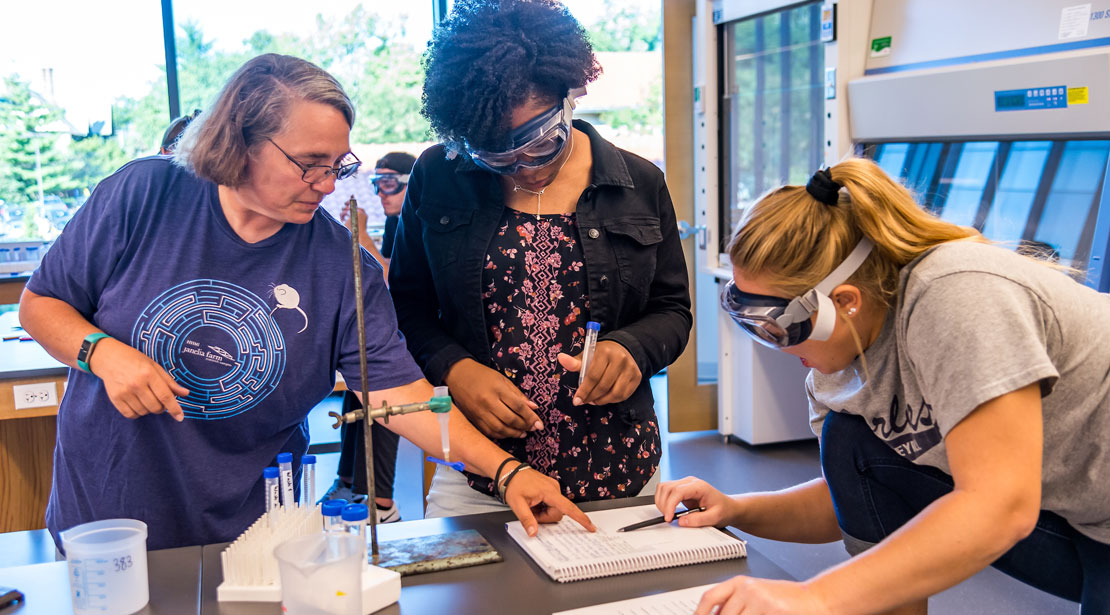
822 187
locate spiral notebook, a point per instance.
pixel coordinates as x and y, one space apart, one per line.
567 552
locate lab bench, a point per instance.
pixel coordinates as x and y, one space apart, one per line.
184 580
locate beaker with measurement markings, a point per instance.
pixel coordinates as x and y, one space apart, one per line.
107 566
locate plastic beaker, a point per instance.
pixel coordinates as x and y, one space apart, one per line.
107 566
321 574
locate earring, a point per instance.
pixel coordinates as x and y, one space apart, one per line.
852 311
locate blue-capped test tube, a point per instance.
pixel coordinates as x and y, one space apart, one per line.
285 464
588 347
354 521
332 511
273 492
308 479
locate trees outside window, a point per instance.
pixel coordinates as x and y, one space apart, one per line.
53 150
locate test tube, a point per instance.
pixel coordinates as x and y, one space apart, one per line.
354 521
308 479
588 346
444 418
285 463
273 493
332 510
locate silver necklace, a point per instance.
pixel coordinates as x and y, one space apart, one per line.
539 195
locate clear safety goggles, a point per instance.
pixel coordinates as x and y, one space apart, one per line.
777 322
389 183
535 144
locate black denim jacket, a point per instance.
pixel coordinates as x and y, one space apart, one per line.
638 287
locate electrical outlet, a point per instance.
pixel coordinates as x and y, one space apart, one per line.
38 395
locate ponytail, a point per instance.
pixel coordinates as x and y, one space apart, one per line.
792 240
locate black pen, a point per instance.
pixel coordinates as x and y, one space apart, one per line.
658 520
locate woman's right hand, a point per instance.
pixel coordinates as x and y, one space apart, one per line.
695 492
537 498
491 401
135 383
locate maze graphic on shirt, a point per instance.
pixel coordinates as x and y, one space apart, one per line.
216 339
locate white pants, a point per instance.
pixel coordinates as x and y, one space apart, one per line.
449 495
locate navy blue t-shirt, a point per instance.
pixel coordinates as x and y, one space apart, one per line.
256 333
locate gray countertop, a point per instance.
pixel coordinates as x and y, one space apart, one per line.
174 580
184 580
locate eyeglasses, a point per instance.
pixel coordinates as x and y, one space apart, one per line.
316 173
389 183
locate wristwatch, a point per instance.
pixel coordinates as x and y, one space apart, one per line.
87 347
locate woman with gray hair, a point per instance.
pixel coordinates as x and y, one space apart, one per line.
205 305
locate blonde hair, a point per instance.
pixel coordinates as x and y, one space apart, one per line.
252 107
792 241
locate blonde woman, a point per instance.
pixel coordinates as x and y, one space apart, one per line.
959 391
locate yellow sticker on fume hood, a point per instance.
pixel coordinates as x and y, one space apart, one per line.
1078 96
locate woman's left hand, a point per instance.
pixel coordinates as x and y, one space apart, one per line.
536 498
613 374
752 596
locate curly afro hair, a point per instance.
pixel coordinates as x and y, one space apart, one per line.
490 57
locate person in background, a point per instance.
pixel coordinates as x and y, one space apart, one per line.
173 132
958 390
389 182
390 179
517 230
358 187
196 356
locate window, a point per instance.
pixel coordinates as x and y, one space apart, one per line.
772 106
78 104
1041 194
84 89
1017 189
72 80
965 190
1067 220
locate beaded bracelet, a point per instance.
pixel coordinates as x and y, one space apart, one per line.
504 488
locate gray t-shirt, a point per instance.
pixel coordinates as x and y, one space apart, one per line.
974 322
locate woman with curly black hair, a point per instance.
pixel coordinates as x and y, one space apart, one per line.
521 228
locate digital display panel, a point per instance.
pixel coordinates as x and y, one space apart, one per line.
1009 101
1052 97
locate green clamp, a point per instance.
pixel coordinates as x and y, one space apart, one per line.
440 404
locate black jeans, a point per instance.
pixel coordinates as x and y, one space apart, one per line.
352 456
875 491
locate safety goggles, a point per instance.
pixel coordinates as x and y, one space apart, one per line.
389 183
777 322
535 144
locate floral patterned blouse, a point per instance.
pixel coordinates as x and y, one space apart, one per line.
534 294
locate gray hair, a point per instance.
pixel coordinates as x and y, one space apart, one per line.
252 107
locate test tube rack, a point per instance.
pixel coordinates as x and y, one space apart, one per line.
251 570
